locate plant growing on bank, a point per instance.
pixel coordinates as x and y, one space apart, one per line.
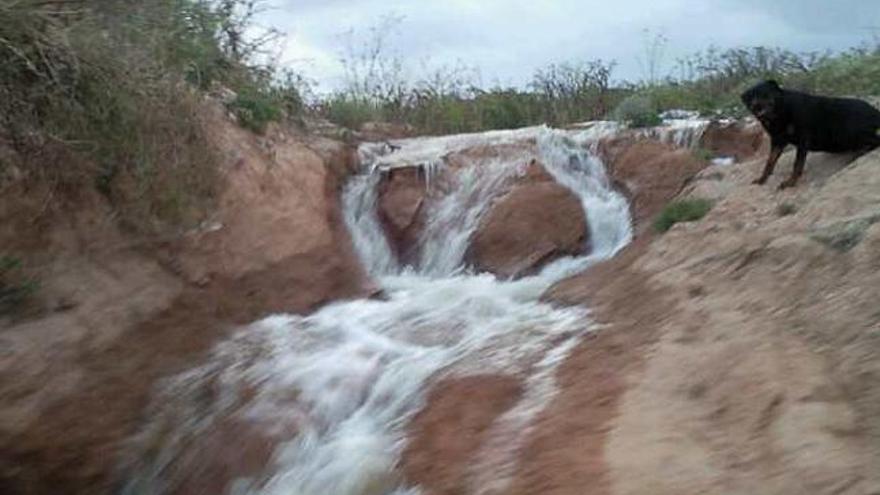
110 93
685 210
709 81
637 111
255 109
786 209
703 154
15 288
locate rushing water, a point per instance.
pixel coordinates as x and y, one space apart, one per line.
347 378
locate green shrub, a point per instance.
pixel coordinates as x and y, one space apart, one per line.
703 154
351 112
255 109
685 210
845 235
786 209
110 93
15 289
855 74
637 111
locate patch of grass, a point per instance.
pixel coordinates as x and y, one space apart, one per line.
637 111
255 109
786 209
703 154
351 112
845 235
16 289
685 210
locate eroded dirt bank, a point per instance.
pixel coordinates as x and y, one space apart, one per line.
125 313
736 354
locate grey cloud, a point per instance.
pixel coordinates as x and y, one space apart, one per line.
508 39
817 16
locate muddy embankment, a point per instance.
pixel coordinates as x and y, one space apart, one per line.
125 312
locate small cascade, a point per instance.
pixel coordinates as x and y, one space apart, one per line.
680 128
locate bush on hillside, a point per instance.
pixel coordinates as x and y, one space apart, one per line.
685 210
255 109
114 89
15 288
637 111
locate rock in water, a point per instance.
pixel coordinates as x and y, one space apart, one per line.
401 196
537 222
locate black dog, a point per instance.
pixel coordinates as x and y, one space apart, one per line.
812 123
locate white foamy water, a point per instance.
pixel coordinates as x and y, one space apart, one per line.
680 132
337 387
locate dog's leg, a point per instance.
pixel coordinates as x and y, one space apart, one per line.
799 161
775 152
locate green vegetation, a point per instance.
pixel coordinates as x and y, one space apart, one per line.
110 92
255 109
637 110
845 235
450 99
15 289
786 209
685 210
701 153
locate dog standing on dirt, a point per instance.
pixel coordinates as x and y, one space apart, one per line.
811 123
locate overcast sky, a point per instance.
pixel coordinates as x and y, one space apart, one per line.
508 39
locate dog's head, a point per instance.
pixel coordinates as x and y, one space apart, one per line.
762 99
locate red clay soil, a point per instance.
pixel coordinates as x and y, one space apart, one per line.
446 433
740 140
650 173
565 453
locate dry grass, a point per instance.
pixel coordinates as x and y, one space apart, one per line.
107 94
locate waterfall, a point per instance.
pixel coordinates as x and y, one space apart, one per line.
347 378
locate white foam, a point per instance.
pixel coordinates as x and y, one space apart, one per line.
683 133
723 161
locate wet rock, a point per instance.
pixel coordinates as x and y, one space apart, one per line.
401 197
446 435
740 140
238 450
537 222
